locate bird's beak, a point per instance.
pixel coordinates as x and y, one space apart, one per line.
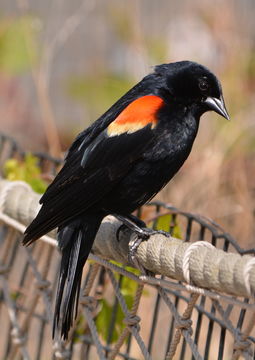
217 105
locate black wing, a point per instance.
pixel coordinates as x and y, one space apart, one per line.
89 173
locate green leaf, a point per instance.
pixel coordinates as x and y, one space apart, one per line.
27 171
167 222
103 320
15 295
18 44
128 268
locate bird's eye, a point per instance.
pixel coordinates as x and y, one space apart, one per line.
203 85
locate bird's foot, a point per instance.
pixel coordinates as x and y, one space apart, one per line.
135 243
132 253
133 223
150 232
138 226
142 233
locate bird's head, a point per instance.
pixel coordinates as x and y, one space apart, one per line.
190 83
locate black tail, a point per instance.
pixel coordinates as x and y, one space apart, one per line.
75 242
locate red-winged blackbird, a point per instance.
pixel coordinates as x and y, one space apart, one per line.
119 163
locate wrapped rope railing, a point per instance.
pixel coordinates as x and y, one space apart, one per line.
207 301
198 264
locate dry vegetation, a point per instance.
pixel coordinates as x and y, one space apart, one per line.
62 65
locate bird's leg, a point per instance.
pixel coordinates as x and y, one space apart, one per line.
134 224
136 220
142 233
132 257
138 226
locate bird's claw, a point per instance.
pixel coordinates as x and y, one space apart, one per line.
133 246
135 242
132 258
141 233
150 232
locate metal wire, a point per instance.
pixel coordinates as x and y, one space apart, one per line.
28 285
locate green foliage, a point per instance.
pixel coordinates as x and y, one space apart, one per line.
15 295
103 320
26 170
128 287
164 223
79 328
18 44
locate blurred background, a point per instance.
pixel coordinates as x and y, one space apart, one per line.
63 63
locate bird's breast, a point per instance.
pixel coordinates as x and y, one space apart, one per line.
157 165
173 141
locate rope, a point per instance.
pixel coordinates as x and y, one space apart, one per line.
199 264
247 274
94 333
187 255
209 267
89 304
149 280
131 319
18 338
241 346
183 325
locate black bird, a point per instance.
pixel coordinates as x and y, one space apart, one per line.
119 163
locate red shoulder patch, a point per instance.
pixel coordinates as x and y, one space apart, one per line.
136 115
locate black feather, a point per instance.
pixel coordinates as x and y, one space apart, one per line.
75 242
117 174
